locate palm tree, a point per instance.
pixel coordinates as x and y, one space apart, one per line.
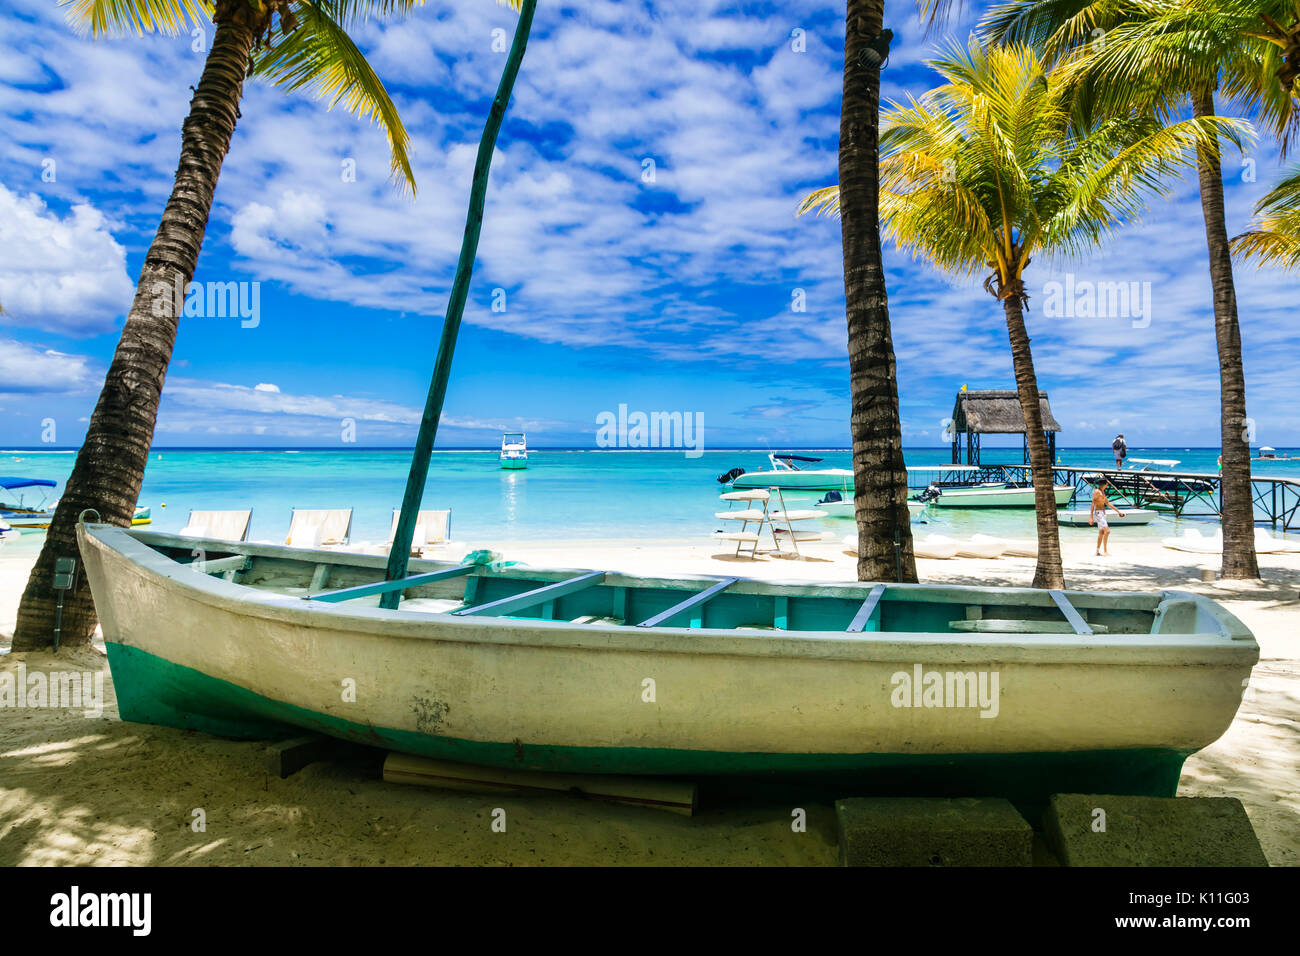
991 169
879 475
1159 56
1275 240
296 44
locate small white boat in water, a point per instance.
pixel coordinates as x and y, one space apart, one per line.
514 450
835 505
997 495
1079 519
791 472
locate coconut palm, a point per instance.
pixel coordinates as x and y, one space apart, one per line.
294 44
1162 56
991 169
1275 240
879 476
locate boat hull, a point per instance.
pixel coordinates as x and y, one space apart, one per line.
514 463
188 650
997 497
833 479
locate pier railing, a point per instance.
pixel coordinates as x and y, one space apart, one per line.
1182 493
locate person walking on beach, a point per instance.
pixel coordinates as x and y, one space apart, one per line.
1097 516
1120 448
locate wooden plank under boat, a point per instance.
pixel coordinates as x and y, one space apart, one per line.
725 678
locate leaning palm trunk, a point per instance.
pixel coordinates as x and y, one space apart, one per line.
1048 573
1239 560
110 465
879 476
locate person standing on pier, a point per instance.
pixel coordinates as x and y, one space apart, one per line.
1097 516
1120 448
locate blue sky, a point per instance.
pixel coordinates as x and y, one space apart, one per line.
669 295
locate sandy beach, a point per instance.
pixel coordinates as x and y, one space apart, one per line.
83 789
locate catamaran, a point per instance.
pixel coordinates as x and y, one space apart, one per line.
595 671
514 450
788 472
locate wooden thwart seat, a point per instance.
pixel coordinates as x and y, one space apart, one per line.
383 587
696 600
860 620
527 599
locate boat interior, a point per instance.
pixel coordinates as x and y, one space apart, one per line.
611 598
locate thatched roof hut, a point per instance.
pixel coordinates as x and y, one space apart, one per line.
994 412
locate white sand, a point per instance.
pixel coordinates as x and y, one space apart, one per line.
95 790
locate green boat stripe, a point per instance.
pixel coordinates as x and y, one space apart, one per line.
151 689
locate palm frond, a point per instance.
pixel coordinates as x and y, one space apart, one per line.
1275 240
115 17
317 55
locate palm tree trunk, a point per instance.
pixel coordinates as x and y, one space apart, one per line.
879 477
110 465
1048 573
1238 515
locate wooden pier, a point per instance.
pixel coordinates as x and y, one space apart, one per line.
1181 493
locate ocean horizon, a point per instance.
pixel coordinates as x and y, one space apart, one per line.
566 493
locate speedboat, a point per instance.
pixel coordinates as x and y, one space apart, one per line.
514 450
21 513
791 471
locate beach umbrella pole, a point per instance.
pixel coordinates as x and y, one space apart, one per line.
400 555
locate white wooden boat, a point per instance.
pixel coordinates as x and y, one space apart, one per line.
791 472
514 450
1131 516
597 672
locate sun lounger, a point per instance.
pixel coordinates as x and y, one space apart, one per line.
432 528
222 525
319 527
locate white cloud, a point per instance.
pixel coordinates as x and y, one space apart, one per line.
28 370
63 274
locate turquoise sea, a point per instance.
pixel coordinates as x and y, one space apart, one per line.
564 495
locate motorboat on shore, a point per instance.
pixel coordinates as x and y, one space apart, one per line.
791 472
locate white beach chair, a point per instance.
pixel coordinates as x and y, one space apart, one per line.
432 528
319 527
221 525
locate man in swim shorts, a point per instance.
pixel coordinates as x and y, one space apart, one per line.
1097 516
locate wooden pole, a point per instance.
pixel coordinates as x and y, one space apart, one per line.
401 553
